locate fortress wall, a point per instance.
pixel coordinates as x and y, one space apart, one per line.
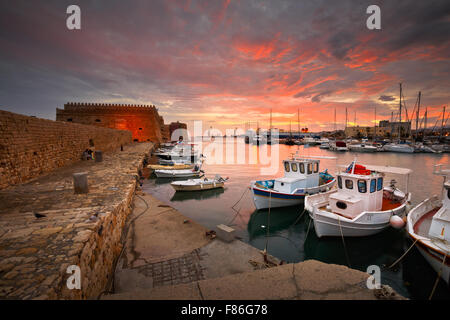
30 147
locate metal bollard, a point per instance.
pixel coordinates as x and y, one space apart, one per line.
80 182
98 156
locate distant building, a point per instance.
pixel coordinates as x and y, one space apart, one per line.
384 128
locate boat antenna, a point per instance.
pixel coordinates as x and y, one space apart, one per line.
354 165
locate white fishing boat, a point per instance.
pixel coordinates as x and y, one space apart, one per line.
398 147
170 167
186 173
428 224
360 206
199 184
324 145
362 147
301 177
183 173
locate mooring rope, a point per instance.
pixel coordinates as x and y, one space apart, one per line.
345 248
298 218
307 231
268 222
403 255
438 276
237 211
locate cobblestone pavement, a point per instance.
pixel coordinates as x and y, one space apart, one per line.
184 269
45 227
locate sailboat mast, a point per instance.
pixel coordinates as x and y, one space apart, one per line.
375 126
400 115
298 123
425 124
417 118
335 131
442 125
346 121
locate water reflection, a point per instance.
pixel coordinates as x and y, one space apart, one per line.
197 195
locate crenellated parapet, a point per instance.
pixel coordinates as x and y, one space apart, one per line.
106 108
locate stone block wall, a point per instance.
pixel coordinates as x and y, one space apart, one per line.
30 147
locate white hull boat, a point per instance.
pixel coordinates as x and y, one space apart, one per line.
429 225
301 177
199 184
361 206
186 173
362 148
396 147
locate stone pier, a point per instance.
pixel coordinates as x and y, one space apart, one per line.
45 227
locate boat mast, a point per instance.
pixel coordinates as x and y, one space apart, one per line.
417 118
335 131
375 126
346 121
400 115
425 124
442 126
298 123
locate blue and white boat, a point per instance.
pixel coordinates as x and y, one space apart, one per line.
301 178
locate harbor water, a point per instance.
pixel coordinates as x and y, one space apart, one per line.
289 235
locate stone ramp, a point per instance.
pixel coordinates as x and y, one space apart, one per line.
308 280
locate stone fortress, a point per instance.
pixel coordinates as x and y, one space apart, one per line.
143 121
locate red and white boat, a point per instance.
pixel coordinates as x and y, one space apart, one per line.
361 205
429 225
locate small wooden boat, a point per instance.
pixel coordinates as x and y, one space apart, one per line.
360 206
301 177
173 167
429 225
185 173
199 184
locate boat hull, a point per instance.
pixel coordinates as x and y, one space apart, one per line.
201 187
264 198
433 254
329 224
175 174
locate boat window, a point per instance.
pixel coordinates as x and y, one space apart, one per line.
302 167
362 186
340 182
316 167
309 168
286 167
349 184
380 184
373 185
294 167
448 193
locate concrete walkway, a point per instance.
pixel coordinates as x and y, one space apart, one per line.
165 248
170 257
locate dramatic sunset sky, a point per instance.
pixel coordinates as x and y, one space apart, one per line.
227 62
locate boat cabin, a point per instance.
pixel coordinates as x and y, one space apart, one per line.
298 173
440 224
359 190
